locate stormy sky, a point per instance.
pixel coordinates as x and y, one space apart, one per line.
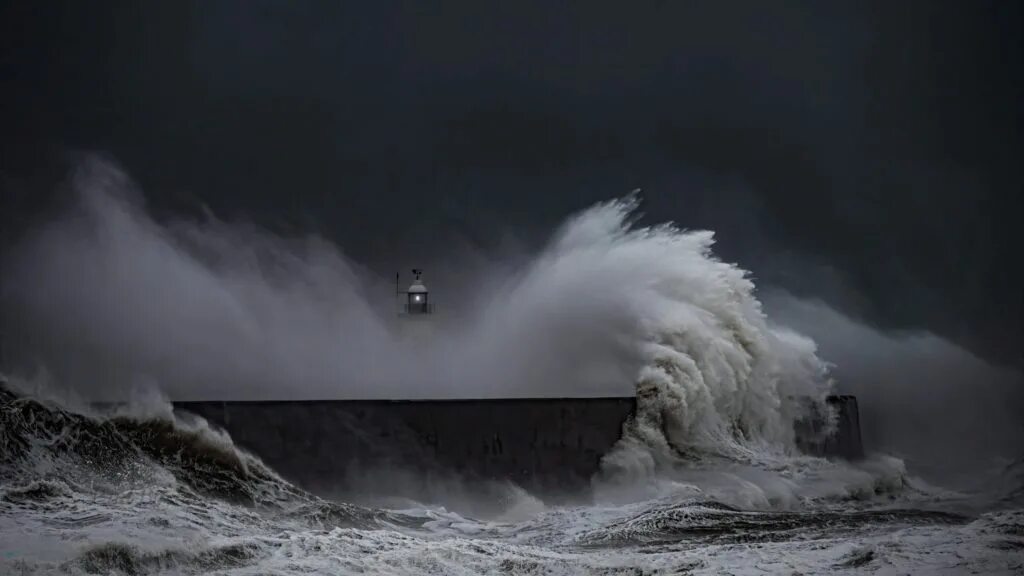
867 153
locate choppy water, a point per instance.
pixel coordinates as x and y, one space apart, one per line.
705 480
126 495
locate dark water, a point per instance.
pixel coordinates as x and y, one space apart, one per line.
85 494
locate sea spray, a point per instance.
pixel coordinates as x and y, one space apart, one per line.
714 377
106 297
605 303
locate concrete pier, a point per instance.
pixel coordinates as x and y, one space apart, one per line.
547 446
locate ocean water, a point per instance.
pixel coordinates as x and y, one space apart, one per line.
705 480
89 494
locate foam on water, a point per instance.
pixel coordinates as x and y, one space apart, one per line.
125 494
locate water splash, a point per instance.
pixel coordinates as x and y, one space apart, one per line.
106 297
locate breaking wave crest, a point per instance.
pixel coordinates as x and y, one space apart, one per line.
48 454
714 377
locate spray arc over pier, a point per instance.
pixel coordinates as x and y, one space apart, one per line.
607 309
552 444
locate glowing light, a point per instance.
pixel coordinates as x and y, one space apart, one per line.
416 298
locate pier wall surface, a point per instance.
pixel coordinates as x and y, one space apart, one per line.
843 440
543 445
548 446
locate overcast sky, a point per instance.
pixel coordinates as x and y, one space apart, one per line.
868 153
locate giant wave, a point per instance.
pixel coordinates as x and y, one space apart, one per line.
706 477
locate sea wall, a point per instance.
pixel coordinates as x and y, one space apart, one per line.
843 440
547 446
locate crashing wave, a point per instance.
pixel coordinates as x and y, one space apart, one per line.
48 453
608 308
31 429
714 376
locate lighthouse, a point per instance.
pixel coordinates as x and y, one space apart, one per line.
417 297
414 310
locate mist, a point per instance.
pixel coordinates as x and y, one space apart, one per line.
108 300
921 397
105 300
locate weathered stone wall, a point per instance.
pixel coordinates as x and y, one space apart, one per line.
844 441
549 446
545 445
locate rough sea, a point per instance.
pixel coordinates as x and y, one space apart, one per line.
706 479
87 494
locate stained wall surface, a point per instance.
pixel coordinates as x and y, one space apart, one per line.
544 445
548 446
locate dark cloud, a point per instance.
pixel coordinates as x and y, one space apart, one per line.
867 151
